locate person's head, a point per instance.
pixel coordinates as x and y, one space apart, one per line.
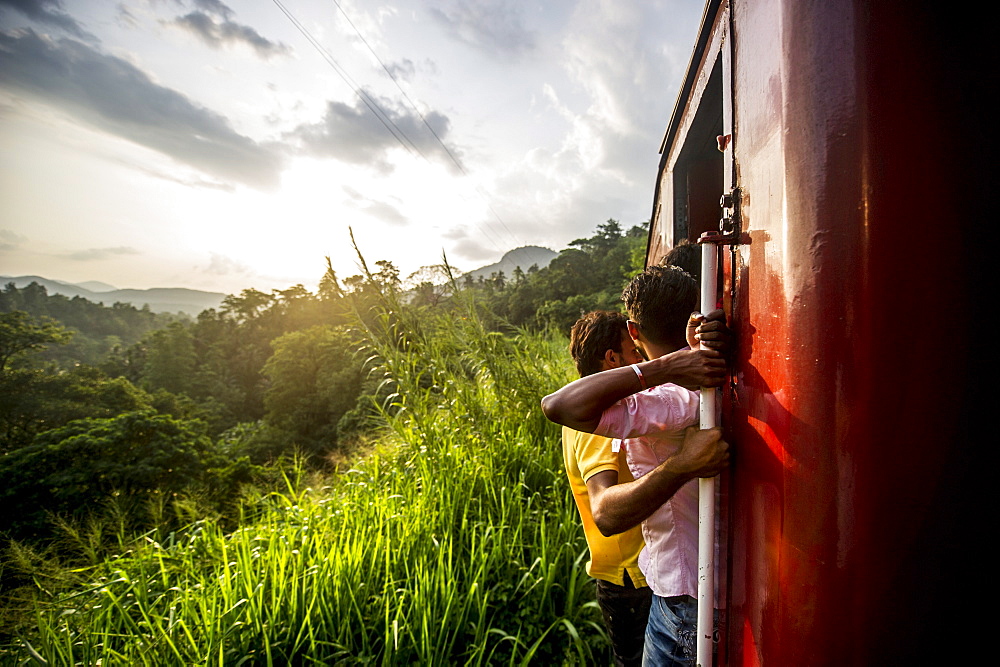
659 301
686 255
600 341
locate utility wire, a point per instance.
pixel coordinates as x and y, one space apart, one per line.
400 88
372 105
413 106
383 117
367 99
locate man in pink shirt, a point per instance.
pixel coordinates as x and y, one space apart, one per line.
634 404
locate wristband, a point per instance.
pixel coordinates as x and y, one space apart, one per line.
638 373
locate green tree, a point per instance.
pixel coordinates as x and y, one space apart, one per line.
588 275
170 359
329 287
19 333
430 285
314 379
387 275
32 401
71 469
248 305
97 329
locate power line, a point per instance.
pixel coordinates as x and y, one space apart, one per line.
370 102
367 99
413 106
383 117
400 88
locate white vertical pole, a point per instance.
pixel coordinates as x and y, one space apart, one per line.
706 486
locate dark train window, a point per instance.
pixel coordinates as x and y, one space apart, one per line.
698 173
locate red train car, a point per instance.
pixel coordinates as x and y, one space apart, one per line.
849 139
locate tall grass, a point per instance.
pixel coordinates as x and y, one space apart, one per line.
455 542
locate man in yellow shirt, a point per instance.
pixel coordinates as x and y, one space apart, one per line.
600 341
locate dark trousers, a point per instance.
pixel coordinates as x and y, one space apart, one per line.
626 611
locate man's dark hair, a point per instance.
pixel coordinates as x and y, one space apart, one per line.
686 255
594 334
660 300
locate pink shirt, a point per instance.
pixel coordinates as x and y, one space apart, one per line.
652 424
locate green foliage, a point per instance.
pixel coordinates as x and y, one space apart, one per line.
218 360
258 441
227 481
170 361
20 333
32 401
97 329
75 467
314 380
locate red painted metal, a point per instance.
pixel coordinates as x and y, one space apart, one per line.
850 408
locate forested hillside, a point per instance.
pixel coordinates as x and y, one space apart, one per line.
390 421
174 300
98 330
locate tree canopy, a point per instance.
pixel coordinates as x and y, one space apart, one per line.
19 333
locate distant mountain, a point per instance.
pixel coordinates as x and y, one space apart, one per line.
525 257
97 286
52 286
159 299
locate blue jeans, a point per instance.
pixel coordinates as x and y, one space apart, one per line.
671 634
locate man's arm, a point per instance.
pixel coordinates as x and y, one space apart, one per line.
618 507
580 404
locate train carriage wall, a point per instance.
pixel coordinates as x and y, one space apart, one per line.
853 136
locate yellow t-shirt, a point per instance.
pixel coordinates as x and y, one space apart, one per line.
586 455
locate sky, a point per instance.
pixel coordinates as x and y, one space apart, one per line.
226 144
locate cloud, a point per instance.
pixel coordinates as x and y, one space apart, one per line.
215 7
117 97
404 70
623 64
125 17
95 254
218 33
354 134
617 53
408 70
493 26
468 244
455 233
221 265
387 213
189 181
10 240
50 13
473 251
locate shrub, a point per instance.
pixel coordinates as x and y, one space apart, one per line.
71 469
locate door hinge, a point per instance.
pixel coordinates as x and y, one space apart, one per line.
730 229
